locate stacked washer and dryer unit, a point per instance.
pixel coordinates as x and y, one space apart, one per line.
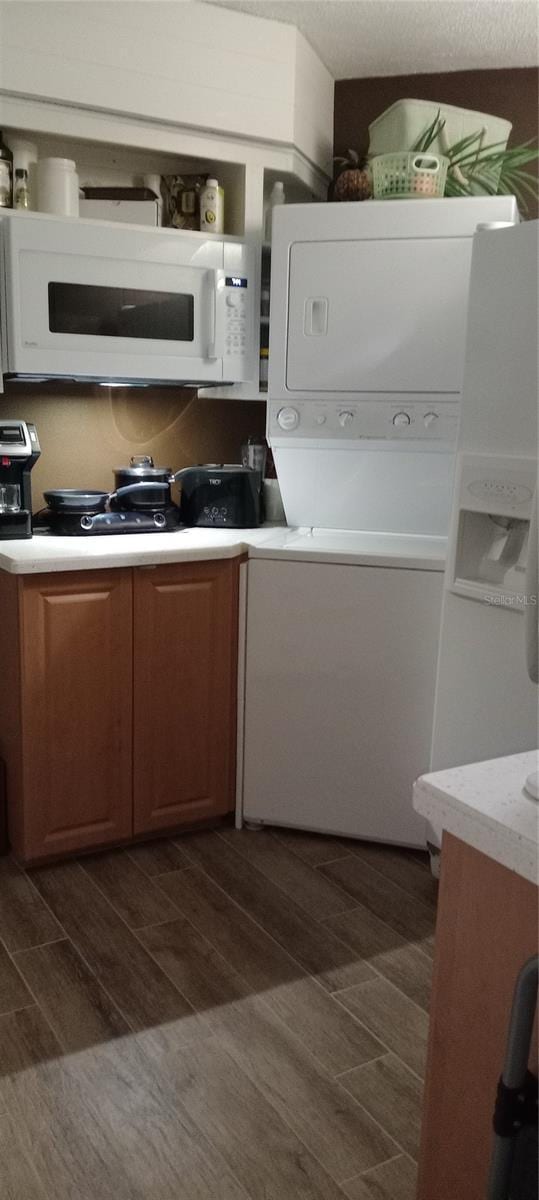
368 324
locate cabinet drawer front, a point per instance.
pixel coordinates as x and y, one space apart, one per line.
185 636
77 710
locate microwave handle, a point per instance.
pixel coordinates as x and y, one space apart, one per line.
216 347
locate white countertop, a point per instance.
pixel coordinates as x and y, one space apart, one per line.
485 805
44 552
414 551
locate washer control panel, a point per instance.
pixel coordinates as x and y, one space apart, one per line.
370 420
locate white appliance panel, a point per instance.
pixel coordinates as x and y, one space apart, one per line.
340 671
372 297
394 315
486 705
401 492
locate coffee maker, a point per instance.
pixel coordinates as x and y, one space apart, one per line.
19 451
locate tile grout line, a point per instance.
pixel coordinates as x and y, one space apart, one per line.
82 956
308 1149
375 1120
89 968
363 1174
10 1012
115 910
246 913
305 973
325 920
393 1054
276 835
40 946
406 942
169 871
390 984
339 890
357 858
265 1003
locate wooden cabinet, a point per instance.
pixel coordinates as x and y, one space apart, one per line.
185 637
119 708
486 930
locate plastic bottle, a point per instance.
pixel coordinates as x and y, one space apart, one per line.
277 197
212 207
21 195
58 187
6 175
25 159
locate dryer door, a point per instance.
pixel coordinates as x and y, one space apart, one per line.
377 316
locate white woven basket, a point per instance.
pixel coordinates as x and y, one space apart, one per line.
409 176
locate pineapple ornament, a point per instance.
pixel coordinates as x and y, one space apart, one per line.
353 180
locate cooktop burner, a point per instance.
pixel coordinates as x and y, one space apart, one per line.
64 524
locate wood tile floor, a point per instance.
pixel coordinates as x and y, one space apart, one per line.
234 1016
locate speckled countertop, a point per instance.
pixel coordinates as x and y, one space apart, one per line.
485 804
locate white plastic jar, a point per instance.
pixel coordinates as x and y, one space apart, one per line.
58 187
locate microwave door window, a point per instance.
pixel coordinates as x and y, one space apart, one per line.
82 309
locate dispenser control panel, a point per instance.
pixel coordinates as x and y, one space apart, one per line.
502 486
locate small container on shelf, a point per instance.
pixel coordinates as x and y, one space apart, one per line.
6 175
25 159
277 197
264 365
21 197
58 187
212 208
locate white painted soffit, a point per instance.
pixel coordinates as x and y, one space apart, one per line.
363 38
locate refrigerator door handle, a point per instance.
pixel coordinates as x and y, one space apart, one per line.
532 598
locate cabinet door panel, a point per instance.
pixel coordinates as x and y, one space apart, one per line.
185 693
77 710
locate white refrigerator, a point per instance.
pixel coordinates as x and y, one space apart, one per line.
486 704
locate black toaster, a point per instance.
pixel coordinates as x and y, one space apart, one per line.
221 496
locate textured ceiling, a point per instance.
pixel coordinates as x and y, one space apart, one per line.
362 38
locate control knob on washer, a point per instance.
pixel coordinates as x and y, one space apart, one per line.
430 418
288 418
346 417
401 418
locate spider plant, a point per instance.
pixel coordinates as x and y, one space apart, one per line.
491 170
424 142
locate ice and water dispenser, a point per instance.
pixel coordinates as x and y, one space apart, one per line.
493 509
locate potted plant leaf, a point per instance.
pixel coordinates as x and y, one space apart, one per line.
475 169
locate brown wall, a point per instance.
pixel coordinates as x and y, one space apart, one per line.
512 94
86 431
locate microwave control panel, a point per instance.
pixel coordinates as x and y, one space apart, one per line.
236 316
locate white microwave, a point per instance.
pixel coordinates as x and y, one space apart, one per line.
90 300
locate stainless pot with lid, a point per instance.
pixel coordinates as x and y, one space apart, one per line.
141 469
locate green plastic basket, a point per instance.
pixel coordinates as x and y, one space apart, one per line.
409 176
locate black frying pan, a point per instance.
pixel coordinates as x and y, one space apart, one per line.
78 500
